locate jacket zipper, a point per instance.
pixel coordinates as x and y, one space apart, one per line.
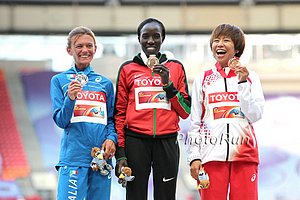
154 123
227 127
154 117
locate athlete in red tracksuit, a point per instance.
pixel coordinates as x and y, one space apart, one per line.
148 106
225 103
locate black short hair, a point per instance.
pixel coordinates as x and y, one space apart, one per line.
150 20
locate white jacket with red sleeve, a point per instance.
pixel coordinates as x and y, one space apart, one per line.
222 115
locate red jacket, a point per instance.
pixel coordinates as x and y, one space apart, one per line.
144 106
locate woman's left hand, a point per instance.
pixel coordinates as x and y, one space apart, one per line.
164 73
242 73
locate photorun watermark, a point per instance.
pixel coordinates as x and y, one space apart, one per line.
213 140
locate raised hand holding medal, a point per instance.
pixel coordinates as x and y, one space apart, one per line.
76 85
82 79
159 68
241 71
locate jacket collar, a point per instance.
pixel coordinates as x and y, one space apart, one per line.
86 71
222 72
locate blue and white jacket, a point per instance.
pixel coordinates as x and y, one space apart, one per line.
87 121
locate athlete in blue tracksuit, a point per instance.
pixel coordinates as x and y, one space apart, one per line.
85 112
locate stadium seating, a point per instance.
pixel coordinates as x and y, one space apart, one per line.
14 161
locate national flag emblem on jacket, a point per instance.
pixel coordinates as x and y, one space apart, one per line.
73 172
71 76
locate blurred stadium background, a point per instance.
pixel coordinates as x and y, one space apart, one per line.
32 49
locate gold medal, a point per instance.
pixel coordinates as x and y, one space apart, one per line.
152 61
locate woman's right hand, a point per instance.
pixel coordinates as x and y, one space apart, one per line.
194 169
73 89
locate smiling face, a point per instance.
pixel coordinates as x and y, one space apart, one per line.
226 42
223 50
151 38
83 49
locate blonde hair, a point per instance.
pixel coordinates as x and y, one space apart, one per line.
79 31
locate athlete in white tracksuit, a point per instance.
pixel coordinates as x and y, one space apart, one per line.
223 113
225 104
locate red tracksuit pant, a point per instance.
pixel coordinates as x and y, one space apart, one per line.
236 180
